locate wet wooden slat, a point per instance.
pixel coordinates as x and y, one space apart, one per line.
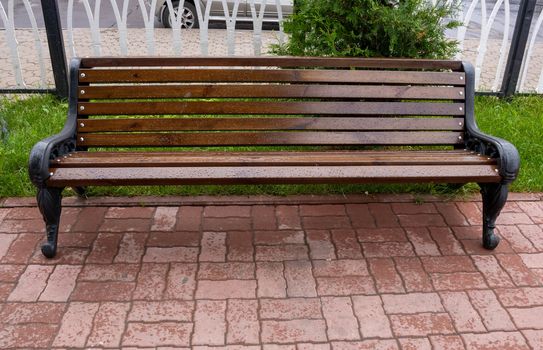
270 75
266 174
236 159
265 61
271 91
210 124
268 107
271 138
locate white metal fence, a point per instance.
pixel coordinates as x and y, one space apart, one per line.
484 39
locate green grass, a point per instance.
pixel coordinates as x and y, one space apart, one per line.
28 120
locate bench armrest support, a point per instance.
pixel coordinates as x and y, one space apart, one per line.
57 145
490 146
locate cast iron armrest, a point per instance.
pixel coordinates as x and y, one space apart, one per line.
494 147
46 150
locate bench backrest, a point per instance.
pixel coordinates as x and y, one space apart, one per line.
139 102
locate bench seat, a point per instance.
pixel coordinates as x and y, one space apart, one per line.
180 168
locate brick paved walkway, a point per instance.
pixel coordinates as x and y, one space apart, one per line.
372 275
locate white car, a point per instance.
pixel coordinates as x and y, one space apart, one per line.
190 16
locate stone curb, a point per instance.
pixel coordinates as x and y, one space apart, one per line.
168 201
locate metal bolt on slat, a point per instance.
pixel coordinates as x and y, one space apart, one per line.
82 92
83 75
82 108
82 125
81 139
50 174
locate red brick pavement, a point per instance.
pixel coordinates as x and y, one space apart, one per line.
373 275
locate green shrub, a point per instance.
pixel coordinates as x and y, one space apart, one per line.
369 28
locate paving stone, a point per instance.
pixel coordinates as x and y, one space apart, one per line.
293 331
181 282
383 215
277 237
281 253
61 283
346 285
447 342
271 282
227 211
519 273
158 311
495 340
105 248
387 249
336 268
325 222
415 343
421 324
21 249
493 315
300 281
113 272
464 316
373 344
263 217
413 275
151 282
19 313
131 248
422 241
164 219
411 303
387 279
445 240
209 322
240 246
458 281
447 264
291 308
237 289
31 283
167 255
346 244
520 297
492 271
174 239
213 246
157 334
225 271
129 213
535 338
242 319
288 217
527 318
76 325
27 335
360 215
340 320
108 325
189 219
371 317
103 291
320 244
519 243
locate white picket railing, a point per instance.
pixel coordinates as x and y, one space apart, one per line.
488 54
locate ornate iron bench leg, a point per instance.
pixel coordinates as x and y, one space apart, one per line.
49 203
494 198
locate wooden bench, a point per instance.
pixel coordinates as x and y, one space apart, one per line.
148 121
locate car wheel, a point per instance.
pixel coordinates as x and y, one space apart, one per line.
189 15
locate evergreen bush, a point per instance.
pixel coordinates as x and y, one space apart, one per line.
369 28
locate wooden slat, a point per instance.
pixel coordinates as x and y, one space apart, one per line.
271 138
271 91
266 174
270 75
347 158
265 61
232 124
269 107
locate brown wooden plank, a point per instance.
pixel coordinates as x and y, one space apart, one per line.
270 107
271 91
265 61
266 174
160 159
232 124
270 75
271 138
